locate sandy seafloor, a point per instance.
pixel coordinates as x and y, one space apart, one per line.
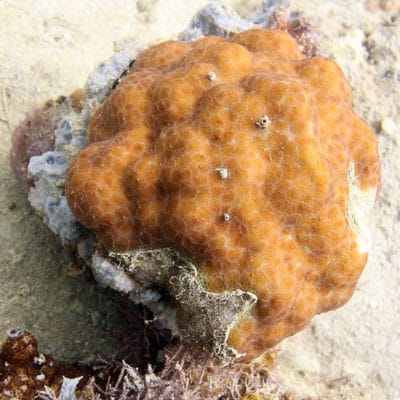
47 48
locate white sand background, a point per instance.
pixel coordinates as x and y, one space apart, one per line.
47 48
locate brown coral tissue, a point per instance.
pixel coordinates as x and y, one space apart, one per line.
24 372
245 155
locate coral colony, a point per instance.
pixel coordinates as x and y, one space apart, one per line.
224 181
254 177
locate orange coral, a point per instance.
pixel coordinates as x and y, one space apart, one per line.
236 152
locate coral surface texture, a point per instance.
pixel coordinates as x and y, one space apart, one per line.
246 156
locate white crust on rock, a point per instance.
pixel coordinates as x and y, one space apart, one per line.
202 317
358 207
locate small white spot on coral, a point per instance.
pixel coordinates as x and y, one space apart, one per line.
226 217
263 122
40 360
212 76
222 172
40 377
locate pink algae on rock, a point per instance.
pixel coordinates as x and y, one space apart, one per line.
34 136
246 156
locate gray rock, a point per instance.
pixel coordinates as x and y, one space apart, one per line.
215 19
